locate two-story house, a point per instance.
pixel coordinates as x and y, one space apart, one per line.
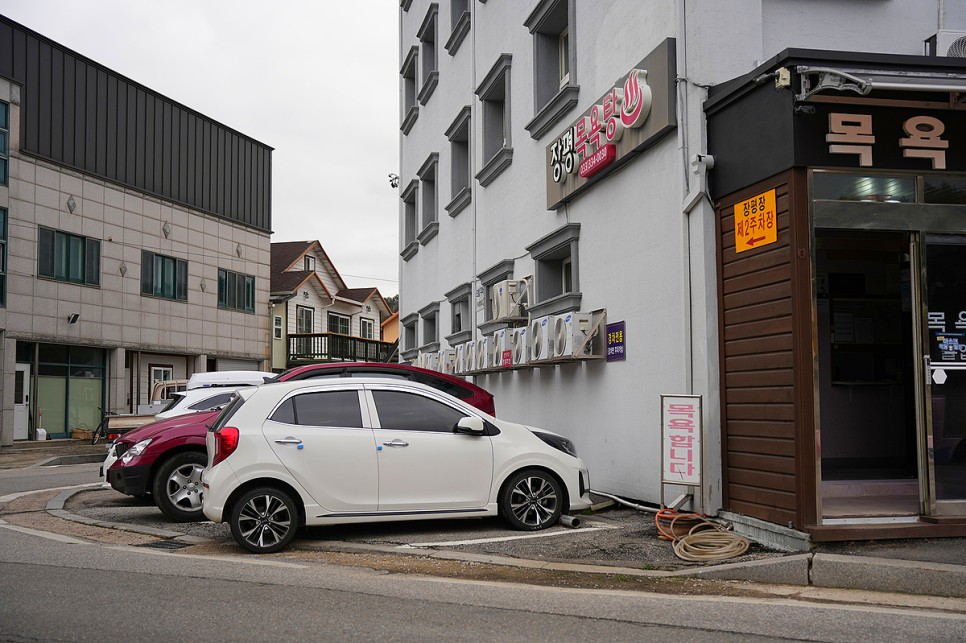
316 316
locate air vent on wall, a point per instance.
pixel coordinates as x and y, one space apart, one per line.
947 43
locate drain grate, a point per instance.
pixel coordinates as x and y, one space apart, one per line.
165 544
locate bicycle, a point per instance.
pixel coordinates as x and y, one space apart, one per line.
101 429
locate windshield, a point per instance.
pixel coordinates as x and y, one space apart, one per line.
226 413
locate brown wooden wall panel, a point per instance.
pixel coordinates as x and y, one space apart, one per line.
758 428
779 360
762 479
762 496
762 446
738 379
771 514
760 395
758 362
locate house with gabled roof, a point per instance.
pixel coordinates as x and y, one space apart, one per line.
316 317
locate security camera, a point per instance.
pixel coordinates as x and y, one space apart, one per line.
702 159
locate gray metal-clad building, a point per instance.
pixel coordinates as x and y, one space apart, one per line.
135 240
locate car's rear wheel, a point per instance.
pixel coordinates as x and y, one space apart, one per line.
531 500
177 486
264 520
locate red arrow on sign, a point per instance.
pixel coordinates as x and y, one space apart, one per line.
754 240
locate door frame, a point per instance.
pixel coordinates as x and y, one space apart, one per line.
23 434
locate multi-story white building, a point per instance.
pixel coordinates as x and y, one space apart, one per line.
135 240
754 206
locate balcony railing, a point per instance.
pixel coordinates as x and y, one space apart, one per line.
332 347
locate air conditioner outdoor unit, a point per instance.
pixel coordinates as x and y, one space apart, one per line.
541 338
569 331
459 359
484 353
502 342
508 298
521 346
447 361
420 360
469 356
431 361
947 42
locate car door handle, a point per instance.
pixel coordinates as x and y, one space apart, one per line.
396 443
288 441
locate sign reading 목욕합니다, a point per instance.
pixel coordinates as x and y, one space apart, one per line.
681 439
635 113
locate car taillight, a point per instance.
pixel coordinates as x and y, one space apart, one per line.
226 441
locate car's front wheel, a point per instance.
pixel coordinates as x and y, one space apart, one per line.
177 486
531 500
264 520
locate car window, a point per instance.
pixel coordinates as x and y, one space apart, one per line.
445 386
212 402
315 375
411 412
321 408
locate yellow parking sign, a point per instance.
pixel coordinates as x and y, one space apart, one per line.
755 222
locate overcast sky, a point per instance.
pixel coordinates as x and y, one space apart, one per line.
315 79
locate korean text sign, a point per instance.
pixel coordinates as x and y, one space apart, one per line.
681 427
616 349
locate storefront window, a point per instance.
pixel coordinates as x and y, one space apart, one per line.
833 186
944 189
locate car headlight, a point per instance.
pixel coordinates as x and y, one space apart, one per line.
136 450
558 442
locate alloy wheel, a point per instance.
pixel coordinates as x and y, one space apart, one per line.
534 501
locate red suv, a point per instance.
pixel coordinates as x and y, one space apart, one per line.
165 458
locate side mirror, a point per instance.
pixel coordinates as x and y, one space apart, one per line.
470 426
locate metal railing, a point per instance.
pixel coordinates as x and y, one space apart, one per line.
332 347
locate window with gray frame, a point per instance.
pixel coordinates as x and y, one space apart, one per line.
163 276
410 108
461 327
410 221
427 54
555 266
428 199
236 291
4 142
430 329
488 278
3 257
458 134
409 340
68 257
459 12
554 90
494 95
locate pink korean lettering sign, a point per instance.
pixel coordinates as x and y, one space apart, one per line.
681 439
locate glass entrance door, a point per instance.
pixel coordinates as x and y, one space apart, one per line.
944 300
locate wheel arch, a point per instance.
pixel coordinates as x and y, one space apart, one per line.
266 482
565 505
170 453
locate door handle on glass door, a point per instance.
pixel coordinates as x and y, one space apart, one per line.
396 443
288 441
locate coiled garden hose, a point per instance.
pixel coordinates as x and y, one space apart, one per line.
697 539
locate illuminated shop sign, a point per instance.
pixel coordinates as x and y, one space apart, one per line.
633 115
921 138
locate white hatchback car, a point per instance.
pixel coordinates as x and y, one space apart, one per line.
322 452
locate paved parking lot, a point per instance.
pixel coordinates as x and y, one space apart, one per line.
613 537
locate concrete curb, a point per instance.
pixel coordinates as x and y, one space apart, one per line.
70 459
816 570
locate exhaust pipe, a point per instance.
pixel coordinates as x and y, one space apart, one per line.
570 521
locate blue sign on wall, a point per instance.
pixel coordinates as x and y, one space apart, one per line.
615 342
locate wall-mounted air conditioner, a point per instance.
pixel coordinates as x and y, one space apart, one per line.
509 298
484 353
469 356
420 360
447 361
569 331
431 361
459 359
946 42
541 338
502 342
521 346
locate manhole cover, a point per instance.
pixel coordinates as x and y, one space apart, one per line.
165 544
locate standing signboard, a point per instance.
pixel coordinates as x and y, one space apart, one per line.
681 428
